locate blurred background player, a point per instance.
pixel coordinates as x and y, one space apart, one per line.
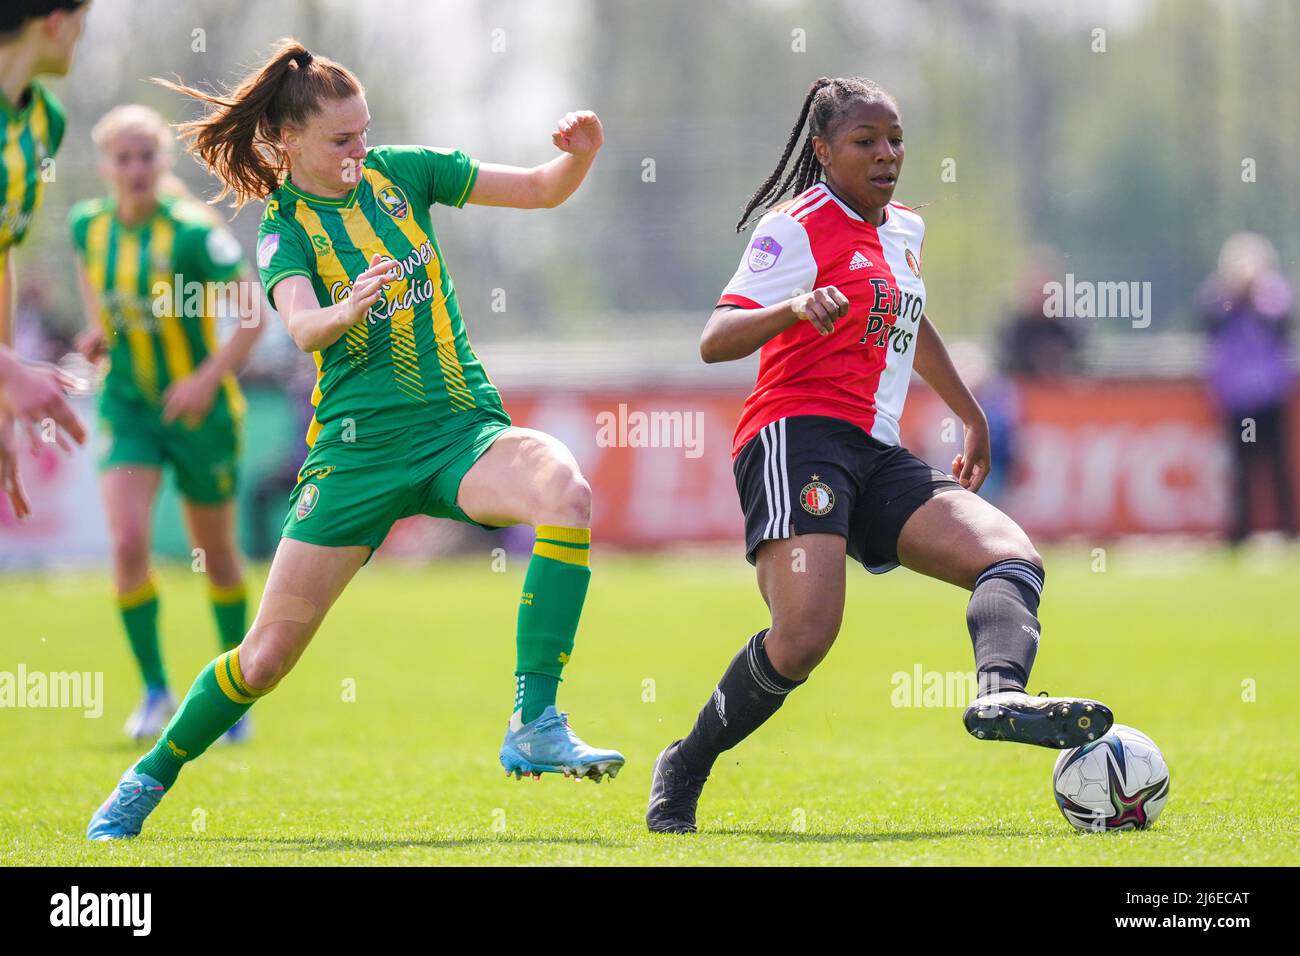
169 397
1036 344
1246 307
36 37
830 290
407 422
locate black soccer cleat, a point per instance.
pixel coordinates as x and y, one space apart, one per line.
674 794
1056 722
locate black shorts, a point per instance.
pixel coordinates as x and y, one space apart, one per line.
809 474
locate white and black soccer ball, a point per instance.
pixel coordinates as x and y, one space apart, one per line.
1116 782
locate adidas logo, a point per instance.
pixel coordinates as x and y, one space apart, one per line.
525 748
859 261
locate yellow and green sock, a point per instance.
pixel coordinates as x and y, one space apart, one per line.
218 698
230 607
139 610
555 587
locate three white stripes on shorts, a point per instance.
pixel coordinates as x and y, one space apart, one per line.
776 481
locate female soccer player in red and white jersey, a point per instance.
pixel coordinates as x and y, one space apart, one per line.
830 291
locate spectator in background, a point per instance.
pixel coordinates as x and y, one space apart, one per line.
998 397
1246 307
34 337
1035 344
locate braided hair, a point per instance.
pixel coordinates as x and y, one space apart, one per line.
825 103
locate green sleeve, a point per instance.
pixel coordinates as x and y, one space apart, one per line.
208 252
57 122
79 223
282 251
58 118
443 176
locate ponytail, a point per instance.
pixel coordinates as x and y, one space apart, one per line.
238 140
826 101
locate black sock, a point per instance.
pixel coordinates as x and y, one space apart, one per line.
750 691
1003 621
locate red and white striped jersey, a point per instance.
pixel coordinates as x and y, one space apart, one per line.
860 372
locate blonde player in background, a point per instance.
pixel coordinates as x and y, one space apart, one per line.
169 398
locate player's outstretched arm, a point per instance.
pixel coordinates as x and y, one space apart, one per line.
35 392
733 332
191 397
31 393
91 341
313 328
578 135
933 363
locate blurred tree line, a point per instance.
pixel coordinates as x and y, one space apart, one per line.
1133 136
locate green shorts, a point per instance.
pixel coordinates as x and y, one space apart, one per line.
350 493
205 459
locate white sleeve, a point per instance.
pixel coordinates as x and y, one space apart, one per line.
777 264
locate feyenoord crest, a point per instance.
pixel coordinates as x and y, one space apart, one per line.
307 501
913 264
817 498
394 202
763 253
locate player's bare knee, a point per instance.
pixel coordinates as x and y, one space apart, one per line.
263 660
1016 545
796 647
222 565
566 500
131 553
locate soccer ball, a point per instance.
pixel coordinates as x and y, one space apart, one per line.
1117 782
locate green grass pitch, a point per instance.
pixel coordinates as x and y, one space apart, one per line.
1176 642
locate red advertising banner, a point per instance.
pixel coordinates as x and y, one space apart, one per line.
1097 458
1089 458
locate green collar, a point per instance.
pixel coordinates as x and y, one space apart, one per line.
13 112
160 209
343 202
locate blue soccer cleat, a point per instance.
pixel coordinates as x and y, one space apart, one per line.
148 720
123 813
549 745
239 732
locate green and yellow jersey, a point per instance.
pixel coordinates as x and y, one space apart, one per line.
409 363
154 283
29 137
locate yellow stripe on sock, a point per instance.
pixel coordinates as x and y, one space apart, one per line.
224 682
559 552
237 673
233 594
138 595
561 534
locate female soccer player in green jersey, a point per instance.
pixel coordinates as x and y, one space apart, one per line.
407 422
170 396
37 37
